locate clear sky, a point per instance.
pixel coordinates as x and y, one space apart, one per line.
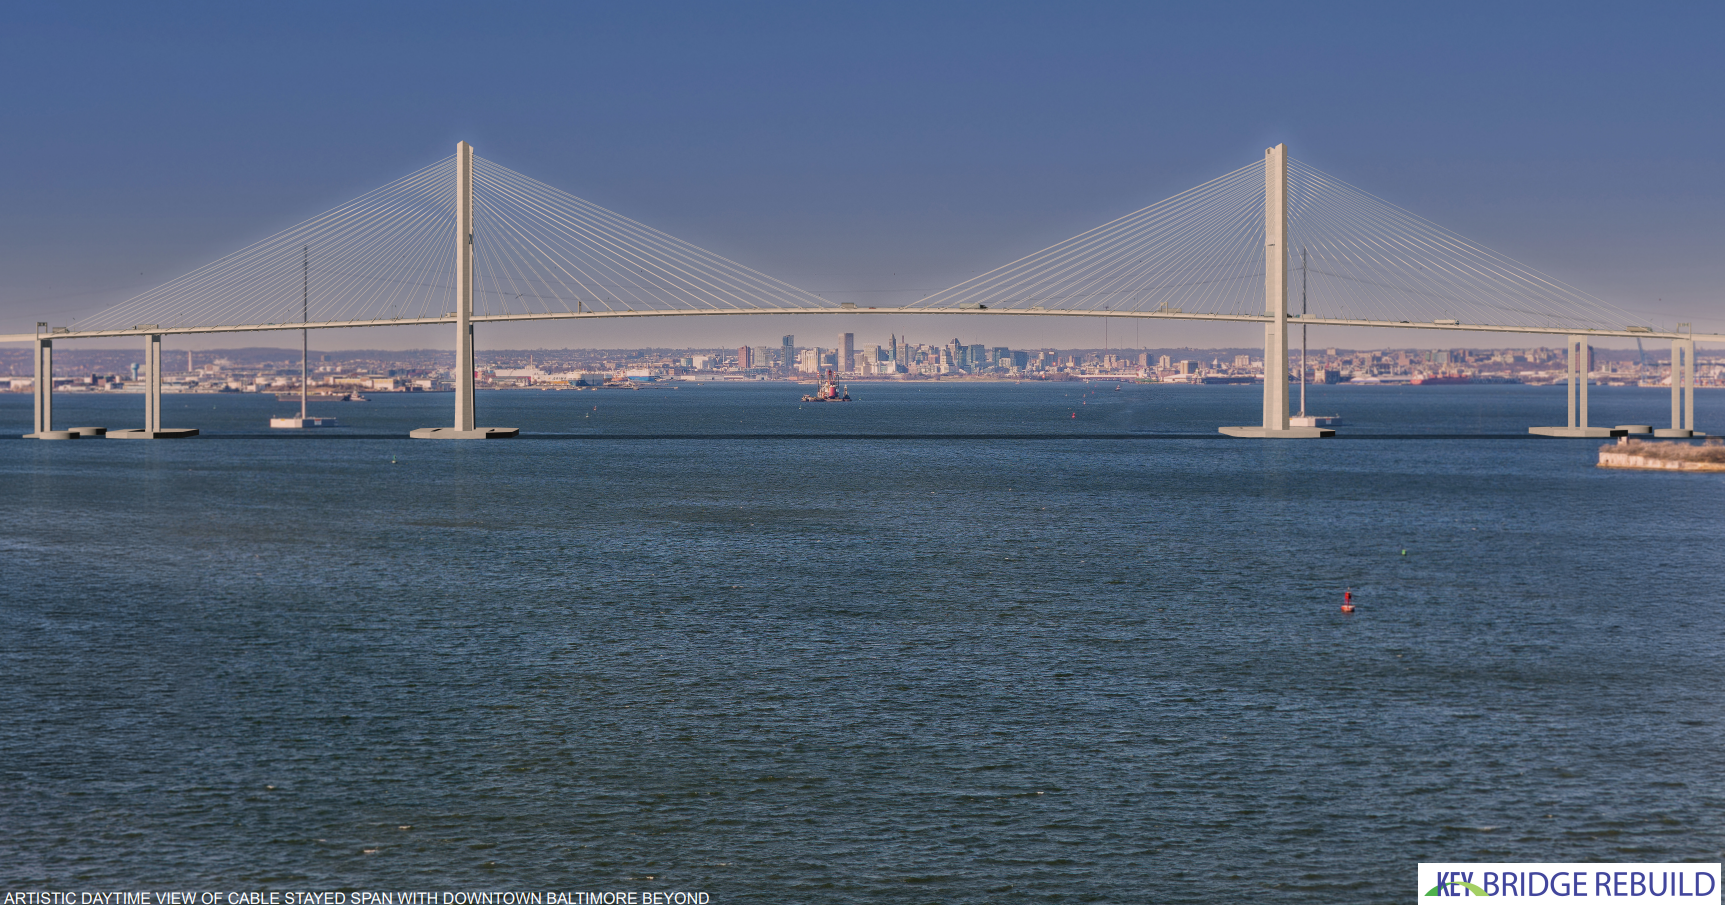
862 151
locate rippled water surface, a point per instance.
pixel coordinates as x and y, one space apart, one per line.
944 644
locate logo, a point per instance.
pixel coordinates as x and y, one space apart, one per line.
1563 883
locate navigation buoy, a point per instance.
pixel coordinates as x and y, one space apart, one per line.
1347 595
1347 608
1074 414
1404 552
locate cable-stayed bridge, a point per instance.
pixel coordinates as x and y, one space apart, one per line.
1275 242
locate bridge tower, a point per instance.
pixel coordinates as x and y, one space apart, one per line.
1275 421
1276 288
464 415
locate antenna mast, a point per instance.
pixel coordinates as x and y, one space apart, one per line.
1302 331
304 309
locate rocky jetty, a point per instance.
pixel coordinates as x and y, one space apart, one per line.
1668 456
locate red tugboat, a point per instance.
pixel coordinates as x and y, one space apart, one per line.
829 391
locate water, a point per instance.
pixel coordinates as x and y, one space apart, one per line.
944 644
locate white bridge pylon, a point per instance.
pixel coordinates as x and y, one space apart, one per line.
1232 249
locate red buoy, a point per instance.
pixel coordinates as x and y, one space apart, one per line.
1347 595
1347 608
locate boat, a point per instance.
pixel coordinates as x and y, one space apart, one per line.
829 391
1435 379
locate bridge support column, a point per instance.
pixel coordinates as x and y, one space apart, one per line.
43 426
44 385
153 386
153 429
464 417
1275 422
1576 365
1682 390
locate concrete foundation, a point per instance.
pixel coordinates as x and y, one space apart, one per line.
1599 432
172 433
1677 433
89 431
52 435
455 433
1636 428
1286 433
302 422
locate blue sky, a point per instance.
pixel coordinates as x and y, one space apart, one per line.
859 148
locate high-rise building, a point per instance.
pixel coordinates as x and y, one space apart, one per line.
788 354
847 354
763 356
745 358
1165 362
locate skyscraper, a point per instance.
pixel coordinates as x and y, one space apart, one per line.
788 353
847 362
745 357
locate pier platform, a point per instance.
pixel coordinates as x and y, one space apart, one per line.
1292 433
170 433
478 433
1578 432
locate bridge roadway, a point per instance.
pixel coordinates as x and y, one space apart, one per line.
1293 320
1682 385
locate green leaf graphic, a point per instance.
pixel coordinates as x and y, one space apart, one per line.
1438 889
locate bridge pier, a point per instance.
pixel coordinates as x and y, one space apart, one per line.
153 429
43 427
1276 306
464 417
1682 390
1576 365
